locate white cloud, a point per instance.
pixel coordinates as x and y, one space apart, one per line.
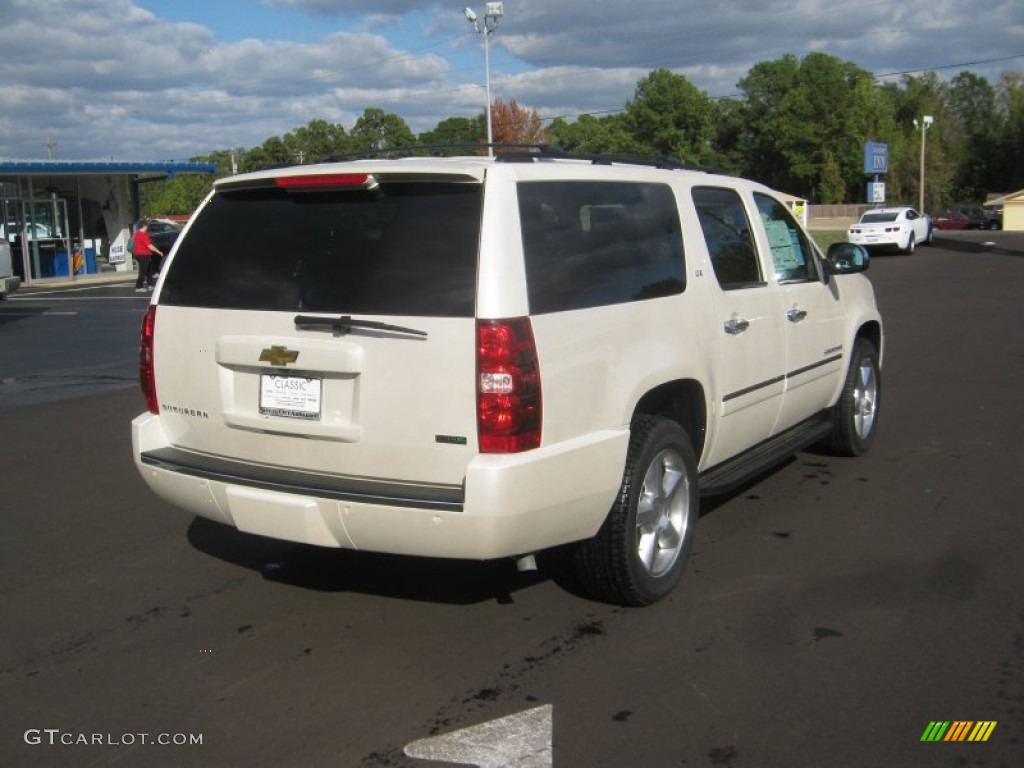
111 78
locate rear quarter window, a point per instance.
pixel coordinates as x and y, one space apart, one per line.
407 248
589 244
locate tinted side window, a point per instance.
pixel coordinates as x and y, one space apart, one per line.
590 244
792 254
727 234
405 249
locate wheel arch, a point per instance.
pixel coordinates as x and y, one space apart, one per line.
872 331
683 401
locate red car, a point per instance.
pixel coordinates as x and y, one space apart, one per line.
952 220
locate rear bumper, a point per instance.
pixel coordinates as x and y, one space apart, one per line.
877 241
508 505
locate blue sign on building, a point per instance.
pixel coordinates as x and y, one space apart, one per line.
876 157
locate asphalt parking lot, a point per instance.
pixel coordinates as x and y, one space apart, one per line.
832 612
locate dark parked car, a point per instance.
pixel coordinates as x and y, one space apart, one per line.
975 214
993 217
163 233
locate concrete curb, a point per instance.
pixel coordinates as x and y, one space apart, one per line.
107 278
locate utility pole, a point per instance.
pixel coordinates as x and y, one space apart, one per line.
492 12
49 144
925 124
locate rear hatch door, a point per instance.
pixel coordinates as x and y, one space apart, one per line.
325 323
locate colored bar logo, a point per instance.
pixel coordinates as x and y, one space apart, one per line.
959 730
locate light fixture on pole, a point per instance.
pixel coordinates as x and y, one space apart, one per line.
492 12
925 123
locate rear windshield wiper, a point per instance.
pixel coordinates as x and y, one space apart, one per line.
346 323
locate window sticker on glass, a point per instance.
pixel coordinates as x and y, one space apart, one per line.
785 247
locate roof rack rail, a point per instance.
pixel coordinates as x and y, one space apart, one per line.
546 152
426 150
526 153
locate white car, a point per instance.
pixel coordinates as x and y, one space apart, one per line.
902 228
484 358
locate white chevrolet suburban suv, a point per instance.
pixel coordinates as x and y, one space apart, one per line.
485 358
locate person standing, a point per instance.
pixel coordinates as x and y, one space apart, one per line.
143 250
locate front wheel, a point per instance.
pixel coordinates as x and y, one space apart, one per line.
639 553
855 416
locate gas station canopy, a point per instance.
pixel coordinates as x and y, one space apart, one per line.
64 218
167 169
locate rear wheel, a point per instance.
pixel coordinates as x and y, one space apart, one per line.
855 416
639 553
911 242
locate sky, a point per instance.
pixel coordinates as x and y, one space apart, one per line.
172 79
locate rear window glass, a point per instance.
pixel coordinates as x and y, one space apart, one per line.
590 244
877 218
407 248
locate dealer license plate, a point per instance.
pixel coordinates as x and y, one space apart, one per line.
294 397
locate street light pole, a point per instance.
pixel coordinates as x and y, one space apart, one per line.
492 12
926 122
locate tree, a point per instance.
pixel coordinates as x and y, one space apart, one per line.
920 96
799 126
378 130
728 130
273 152
593 135
317 141
183 193
456 131
1009 149
972 103
512 124
806 122
670 116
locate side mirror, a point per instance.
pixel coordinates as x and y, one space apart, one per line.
846 258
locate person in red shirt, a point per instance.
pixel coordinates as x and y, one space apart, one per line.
143 250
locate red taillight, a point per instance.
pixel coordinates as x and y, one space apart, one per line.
320 180
508 386
147 375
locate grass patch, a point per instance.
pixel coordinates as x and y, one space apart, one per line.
825 238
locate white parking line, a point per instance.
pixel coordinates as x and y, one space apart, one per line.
522 740
94 287
37 314
50 297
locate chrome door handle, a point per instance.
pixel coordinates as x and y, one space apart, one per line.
736 325
796 315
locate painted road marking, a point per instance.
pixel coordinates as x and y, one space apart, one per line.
522 740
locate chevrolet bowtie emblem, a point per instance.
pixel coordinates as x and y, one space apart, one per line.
278 356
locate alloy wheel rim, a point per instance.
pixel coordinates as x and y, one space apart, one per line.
663 513
865 399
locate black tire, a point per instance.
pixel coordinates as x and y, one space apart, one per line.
610 565
855 416
911 243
